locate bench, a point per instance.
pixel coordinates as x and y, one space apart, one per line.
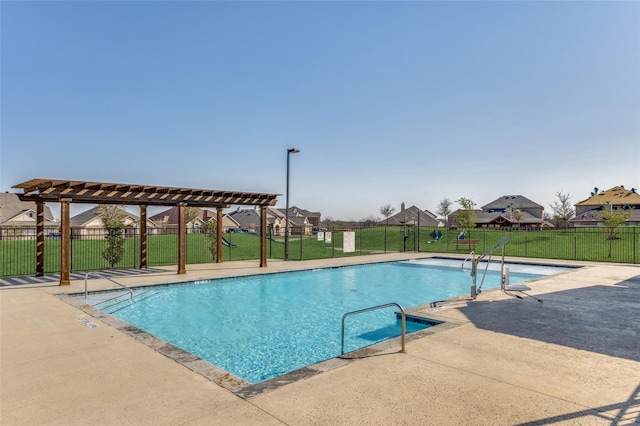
471 243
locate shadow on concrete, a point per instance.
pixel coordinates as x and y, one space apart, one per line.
601 319
50 278
623 413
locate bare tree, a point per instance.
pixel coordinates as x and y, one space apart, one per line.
562 209
191 213
387 211
368 221
444 210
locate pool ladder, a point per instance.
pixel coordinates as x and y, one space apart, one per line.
387 305
101 275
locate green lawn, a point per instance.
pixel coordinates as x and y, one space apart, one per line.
17 257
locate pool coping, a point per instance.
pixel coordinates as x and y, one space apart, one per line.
235 384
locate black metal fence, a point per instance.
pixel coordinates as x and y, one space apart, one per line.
18 246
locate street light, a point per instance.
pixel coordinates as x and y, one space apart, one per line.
286 212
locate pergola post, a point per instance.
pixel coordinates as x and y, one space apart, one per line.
182 237
143 237
67 191
218 234
65 242
263 237
39 239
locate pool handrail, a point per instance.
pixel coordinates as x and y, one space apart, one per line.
386 305
101 275
474 271
471 257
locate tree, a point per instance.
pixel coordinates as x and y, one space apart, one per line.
368 221
113 222
211 231
518 215
191 213
562 209
444 209
387 211
467 217
612 218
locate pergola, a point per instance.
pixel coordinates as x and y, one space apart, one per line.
66 192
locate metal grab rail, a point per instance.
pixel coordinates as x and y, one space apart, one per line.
107 278
503 241
387 305
474 271
472 257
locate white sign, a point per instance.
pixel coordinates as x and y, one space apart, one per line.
348 242
320 236
327 237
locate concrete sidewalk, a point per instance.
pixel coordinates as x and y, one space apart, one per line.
575 359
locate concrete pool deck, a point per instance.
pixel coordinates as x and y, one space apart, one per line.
572 360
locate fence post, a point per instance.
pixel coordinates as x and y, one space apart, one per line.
301 231
143 237
634 245
385 239
333 243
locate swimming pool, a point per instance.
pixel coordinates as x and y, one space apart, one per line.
264 326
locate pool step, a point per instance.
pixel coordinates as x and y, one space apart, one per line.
123 299
414 323
419 320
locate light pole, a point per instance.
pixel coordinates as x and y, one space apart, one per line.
286 212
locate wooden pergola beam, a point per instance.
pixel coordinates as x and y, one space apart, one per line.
66 192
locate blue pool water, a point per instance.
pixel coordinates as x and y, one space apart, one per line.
264 326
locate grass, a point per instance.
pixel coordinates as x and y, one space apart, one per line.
18 257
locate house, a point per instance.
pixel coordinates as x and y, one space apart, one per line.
18 218
248 219
300 225
313 218
506 212
413 216
452 219
511 211
588 211
302 221
89 224
276 218
168 219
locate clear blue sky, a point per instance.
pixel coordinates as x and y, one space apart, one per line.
389 102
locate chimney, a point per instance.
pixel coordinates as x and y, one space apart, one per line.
402 207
